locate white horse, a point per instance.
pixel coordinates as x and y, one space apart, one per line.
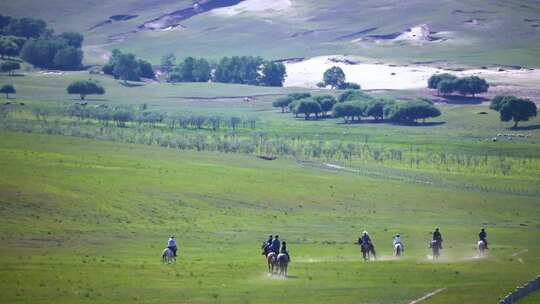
481 248
398 249
168 256
282 264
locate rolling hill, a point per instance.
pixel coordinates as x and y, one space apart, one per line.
475 32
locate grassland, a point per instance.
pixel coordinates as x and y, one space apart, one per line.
85 220
502 32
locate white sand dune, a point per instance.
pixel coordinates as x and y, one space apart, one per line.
253 6
376 76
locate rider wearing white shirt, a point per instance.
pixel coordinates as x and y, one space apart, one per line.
171 244
397 240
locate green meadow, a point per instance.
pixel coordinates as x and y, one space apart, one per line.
85 216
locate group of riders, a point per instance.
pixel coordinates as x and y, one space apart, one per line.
276 251
276 254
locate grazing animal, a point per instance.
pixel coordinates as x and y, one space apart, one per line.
282 264
435 248
271 260
168 256
398 249
481 248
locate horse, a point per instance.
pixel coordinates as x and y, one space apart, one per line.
435 248
398 249
168 256
367 250
271 260
481 248
282 264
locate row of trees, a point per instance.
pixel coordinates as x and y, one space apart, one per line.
121 116
30 39
126 66
353 105
241 70
447 84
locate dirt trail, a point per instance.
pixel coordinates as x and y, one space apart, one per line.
427 296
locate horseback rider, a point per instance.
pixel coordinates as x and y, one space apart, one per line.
285 251
266 245
171 244
365 239
483 235
438 237
397 240
275 245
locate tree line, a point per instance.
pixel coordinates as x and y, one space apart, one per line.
126 66
124 116
352 105
248 70
447 84
33 42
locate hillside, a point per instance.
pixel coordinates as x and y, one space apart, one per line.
474 32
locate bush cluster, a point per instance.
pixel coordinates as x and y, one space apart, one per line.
448 84
126 66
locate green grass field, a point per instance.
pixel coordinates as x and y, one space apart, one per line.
87 205
85 220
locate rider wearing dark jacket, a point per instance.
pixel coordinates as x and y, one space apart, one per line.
266 245
285 251
275 245
483 235
438 237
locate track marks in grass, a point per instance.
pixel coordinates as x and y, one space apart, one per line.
428 296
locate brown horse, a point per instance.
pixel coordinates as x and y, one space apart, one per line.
271 259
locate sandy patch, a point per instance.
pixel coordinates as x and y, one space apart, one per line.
378 76
253 6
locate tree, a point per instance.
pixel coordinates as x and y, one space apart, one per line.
73 39
85 87
126 68
446 87
334 77
327 102
191 70
514 108
8 47
26 27
282 102
273 74
242 70
168 61
409 112
375 109
471 85
9 67
8 89
353 95
435 79
68 58
146 69
349 110
308 107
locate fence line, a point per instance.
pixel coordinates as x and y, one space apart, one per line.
521 291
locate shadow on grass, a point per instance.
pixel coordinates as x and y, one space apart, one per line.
131 84
456 99
526 128
89 99
376 122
